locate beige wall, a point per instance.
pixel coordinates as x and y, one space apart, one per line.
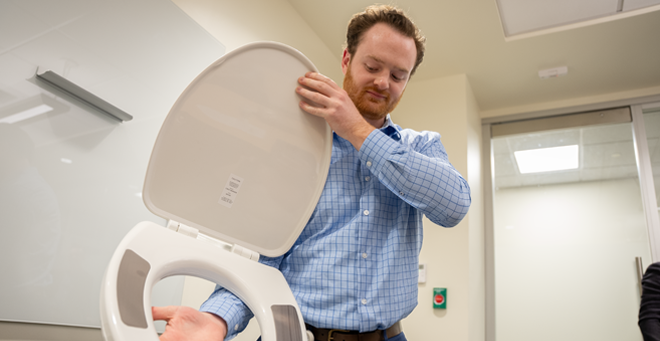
235 23
454 257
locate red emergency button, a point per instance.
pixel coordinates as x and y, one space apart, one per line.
440 298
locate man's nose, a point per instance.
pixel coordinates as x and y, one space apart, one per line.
382 82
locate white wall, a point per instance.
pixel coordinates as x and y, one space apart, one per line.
569 250
73 189
70 188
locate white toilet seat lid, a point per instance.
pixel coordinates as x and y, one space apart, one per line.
236 157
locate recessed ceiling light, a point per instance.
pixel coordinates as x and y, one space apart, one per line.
547 159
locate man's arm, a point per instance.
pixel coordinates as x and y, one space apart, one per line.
184 323
188 324
418 171
325 99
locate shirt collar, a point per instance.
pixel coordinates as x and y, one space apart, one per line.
390 129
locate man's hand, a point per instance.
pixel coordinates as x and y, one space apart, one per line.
322 97
184 323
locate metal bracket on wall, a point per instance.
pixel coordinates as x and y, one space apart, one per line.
81 94
640 273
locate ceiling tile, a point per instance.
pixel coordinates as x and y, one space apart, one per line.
505 165
608 173
550 178
608 154
607 133
500 146
521 16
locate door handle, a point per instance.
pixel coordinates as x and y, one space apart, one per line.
640 273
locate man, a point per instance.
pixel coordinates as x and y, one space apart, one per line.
649 307
354 266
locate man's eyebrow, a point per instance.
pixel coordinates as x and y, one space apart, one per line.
383 62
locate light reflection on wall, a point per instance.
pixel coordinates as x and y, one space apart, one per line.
30 218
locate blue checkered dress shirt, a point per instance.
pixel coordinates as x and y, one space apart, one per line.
355 265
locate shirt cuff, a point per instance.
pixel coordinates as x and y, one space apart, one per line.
376 149
226 305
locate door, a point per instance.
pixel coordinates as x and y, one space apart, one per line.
566 232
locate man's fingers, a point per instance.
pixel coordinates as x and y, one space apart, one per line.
163 313
319 83
318 76
311 109
311 97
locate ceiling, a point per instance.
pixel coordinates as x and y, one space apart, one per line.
606 152
466 37
521 16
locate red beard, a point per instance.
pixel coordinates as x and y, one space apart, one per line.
371 108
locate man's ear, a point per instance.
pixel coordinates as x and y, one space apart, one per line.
345 60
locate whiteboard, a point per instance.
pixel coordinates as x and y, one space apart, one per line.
71 177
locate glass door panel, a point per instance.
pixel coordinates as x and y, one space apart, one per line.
565 241
652 127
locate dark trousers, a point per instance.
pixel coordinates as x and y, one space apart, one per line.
402 337
650 329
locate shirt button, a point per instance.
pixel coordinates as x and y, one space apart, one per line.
368 163
401 193
366 212
364 301
367 178
364 255
236 327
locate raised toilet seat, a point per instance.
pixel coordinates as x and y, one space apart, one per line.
237 169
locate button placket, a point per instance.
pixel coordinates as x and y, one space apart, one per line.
365 206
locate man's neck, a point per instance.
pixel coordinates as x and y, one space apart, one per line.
378 123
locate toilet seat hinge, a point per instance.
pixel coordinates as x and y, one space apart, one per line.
183 229
245 252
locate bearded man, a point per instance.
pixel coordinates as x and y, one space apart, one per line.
354 268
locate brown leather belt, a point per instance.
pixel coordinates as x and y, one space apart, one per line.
346 335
